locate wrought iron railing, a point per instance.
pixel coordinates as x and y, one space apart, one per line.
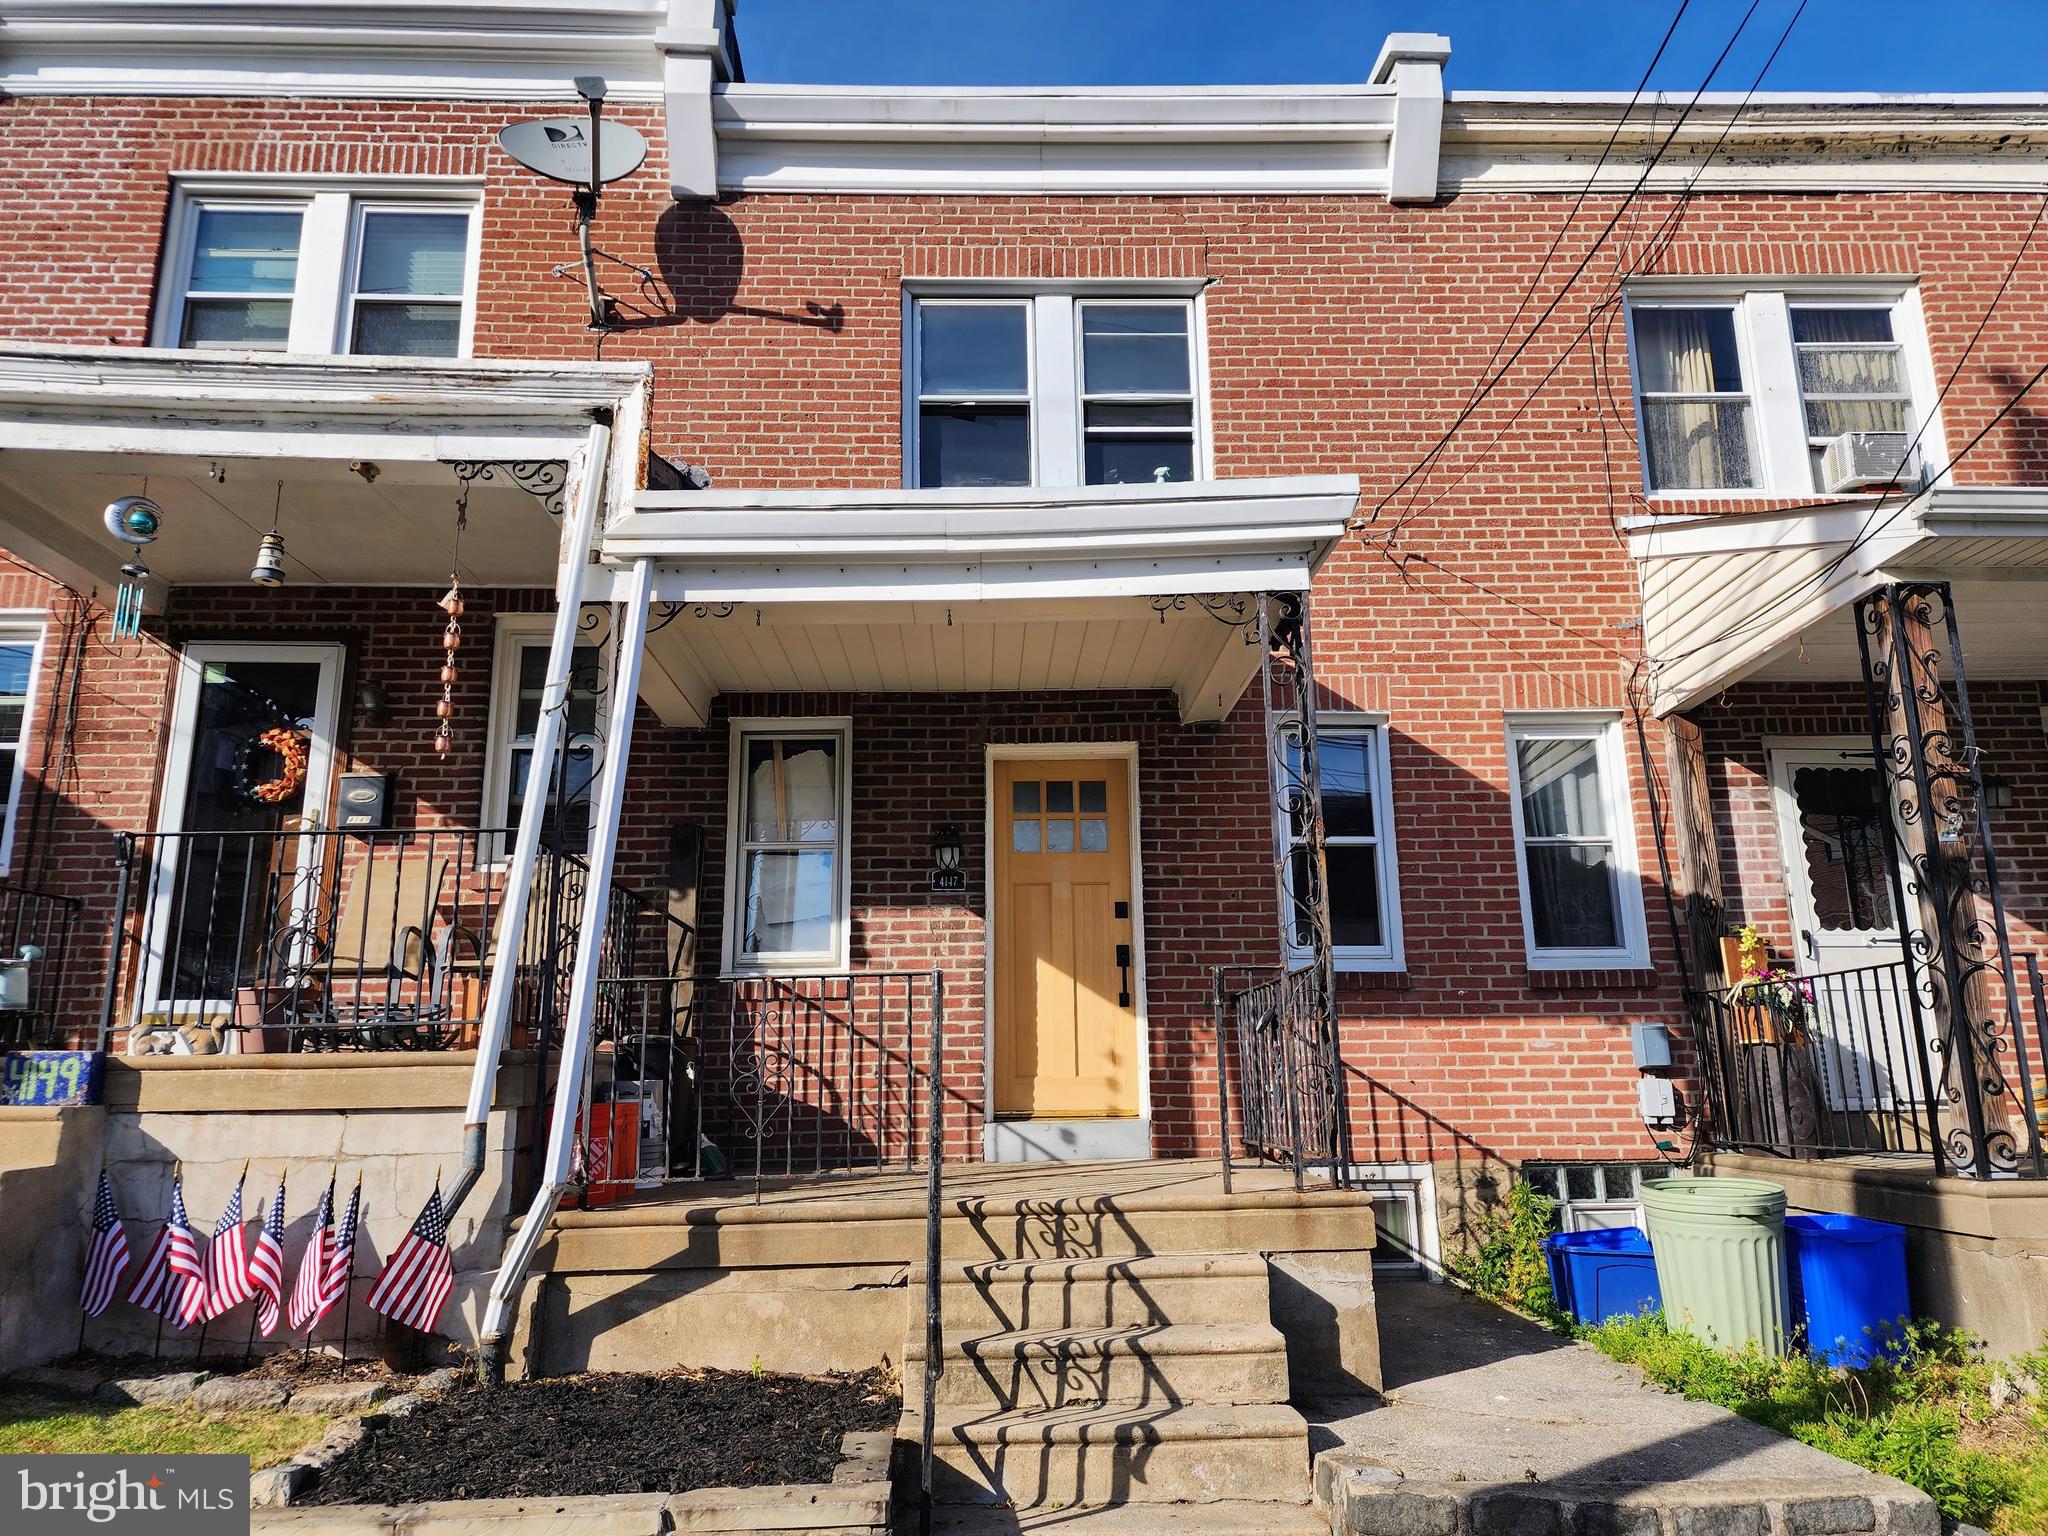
320 939
37 929
1850 1062
812 1074
1289 1095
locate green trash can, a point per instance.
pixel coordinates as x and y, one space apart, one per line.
1719 1246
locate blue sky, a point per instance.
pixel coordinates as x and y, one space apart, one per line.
1842 45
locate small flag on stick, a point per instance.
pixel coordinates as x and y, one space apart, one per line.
173 1278
309 1291
227 1258
266 1263
106 1255
341 1265
415 1284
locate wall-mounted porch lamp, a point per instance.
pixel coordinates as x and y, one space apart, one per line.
946 875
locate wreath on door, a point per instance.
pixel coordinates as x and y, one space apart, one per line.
290 749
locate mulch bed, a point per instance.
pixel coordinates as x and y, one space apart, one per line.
599 1434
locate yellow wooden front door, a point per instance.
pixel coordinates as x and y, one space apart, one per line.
1066 1026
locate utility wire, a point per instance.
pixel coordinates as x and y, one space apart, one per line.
1606 303
1577 272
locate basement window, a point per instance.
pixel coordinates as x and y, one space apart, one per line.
315 271
1097 386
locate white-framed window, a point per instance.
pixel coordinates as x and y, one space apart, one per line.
1094 386
1595 1197
1739 391
1407 1237
1358 843
312 268
788 884
21 645
1575 847
519 676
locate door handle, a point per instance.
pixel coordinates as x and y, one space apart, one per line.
1811 943
1123 964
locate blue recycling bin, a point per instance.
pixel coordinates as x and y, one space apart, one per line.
1848 1285
1598 1275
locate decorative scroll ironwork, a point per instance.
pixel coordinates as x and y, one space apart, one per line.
1290 1070
666 614
546 480
1237 609
1945 880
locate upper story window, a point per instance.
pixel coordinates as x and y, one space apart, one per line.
1052 389
320 271
1746 391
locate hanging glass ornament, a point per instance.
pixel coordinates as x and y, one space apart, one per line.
135 521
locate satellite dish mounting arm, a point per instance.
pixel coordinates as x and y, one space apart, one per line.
591 87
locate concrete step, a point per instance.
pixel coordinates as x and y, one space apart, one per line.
661 1233
1018 1294
1115 1455
1227 1517
1175 1364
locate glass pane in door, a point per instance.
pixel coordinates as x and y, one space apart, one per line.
1842 842
234 887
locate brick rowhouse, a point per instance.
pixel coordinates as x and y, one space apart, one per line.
1344 334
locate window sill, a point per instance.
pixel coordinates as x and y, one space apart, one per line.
1632 978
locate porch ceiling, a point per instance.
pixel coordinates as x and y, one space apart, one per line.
2003 624
339 528
972 590
217 433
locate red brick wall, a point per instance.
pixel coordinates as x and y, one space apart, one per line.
1344 333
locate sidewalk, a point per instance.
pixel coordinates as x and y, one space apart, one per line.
1491 1423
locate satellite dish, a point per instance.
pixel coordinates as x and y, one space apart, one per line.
559 148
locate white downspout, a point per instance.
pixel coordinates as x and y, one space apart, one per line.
547 740
577 1037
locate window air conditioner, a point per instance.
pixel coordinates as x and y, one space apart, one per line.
1856 461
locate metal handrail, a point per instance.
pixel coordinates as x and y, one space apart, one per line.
934 1333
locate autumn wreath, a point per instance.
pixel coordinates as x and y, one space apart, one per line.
290 748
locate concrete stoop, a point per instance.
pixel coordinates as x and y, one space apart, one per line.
1107 1382
1362 1497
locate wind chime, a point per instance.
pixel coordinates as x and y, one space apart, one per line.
451 635
135 521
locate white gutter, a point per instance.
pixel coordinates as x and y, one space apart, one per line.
547 737
578 1037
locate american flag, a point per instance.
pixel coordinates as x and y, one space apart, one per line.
227 1259
173 1278
415 1284
309 1292
106 1256
341 1267
266 1263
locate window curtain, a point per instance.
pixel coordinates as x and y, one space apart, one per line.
1677 348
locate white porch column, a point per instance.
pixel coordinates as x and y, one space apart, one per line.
582 1013
525 852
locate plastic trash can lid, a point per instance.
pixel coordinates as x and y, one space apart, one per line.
1602 1240
1839 1228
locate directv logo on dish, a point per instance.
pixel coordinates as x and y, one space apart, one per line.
89 1495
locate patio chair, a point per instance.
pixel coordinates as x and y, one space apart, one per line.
380 981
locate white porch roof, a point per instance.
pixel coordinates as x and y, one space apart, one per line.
1766 597
356 454
971 590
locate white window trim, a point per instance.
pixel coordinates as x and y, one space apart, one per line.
345 317
17 625
1770 373
322 293
513 633
1053 334
1415 1183
837 960
1388 957
1633 953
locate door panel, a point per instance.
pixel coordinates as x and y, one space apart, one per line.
1831 807
1065 1011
